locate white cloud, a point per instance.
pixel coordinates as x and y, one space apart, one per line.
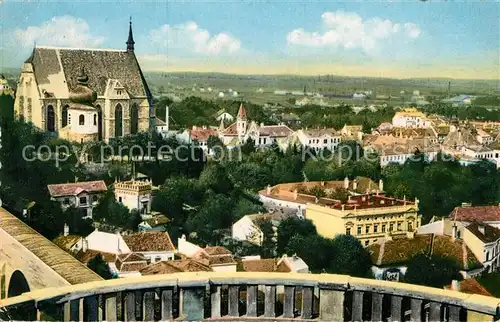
191 37
59 31
348 30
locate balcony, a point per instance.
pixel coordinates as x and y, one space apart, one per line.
249 296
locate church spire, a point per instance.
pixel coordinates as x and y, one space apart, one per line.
130 42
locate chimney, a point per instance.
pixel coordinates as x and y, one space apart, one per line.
346 183
268 189
166 117
66 230
455 285
322 183
381 185
480 227
343 207
85 245
295 194
355 184
316 200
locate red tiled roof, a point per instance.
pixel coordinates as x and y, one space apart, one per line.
258 265
480 213
231 130
217 250
73 189
169 267
471 286
275 130
242 112
85 257
149 241
201 134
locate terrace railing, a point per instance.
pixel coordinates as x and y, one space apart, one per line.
212 296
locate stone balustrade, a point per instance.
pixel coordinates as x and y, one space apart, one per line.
212 296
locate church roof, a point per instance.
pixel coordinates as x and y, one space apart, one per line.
242 112
100 65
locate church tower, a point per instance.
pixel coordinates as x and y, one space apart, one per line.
241 121
130 42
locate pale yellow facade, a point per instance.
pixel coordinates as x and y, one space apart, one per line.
368 224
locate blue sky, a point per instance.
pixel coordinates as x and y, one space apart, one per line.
383 38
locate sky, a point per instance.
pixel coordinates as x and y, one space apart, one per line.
402 39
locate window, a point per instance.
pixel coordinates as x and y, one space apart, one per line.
410 226
391 227
383 228
95 119
94 198
81 119
359 230
487 256
66 201
367 229
157 258
367 242
119 199
69 118
375 228
325 141
348 231
399 226
83 200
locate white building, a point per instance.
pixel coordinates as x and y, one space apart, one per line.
134 195
218 258
410 118
484 137
319 139
100 241
248 227
81 195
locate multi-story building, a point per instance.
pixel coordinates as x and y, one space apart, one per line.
319 139
368 217
70 88
81 195
410 118
134 195
484 241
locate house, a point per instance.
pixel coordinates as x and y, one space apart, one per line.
69 243
175 266
352 132
410 118
85 94
102 242
218 258
285 264
484 241
290 119
468 214
128 265
391 256
484 137
81 195
155 246
200 135
134 195
319 139
248 227
262 135
400 153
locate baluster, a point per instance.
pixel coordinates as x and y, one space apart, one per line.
251 300
270 301
357 306
331 305
110 303
72 311
396 307
454 313
129 306
307 302
435 311
233 300
148 306
192 303
416 310
167 297
92 309
215 300
377 300
289 302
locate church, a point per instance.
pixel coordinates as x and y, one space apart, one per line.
85 94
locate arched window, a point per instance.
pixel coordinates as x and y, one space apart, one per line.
65 115
81 119
134 119
95 119
118 121
51 119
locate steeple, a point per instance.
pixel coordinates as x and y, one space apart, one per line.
130 42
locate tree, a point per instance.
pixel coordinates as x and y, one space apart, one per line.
248 147
341 194
134 219
77 224
215 177
350 257
318 260
290 227
99 265
434 271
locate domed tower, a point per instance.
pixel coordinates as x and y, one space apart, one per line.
82 115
